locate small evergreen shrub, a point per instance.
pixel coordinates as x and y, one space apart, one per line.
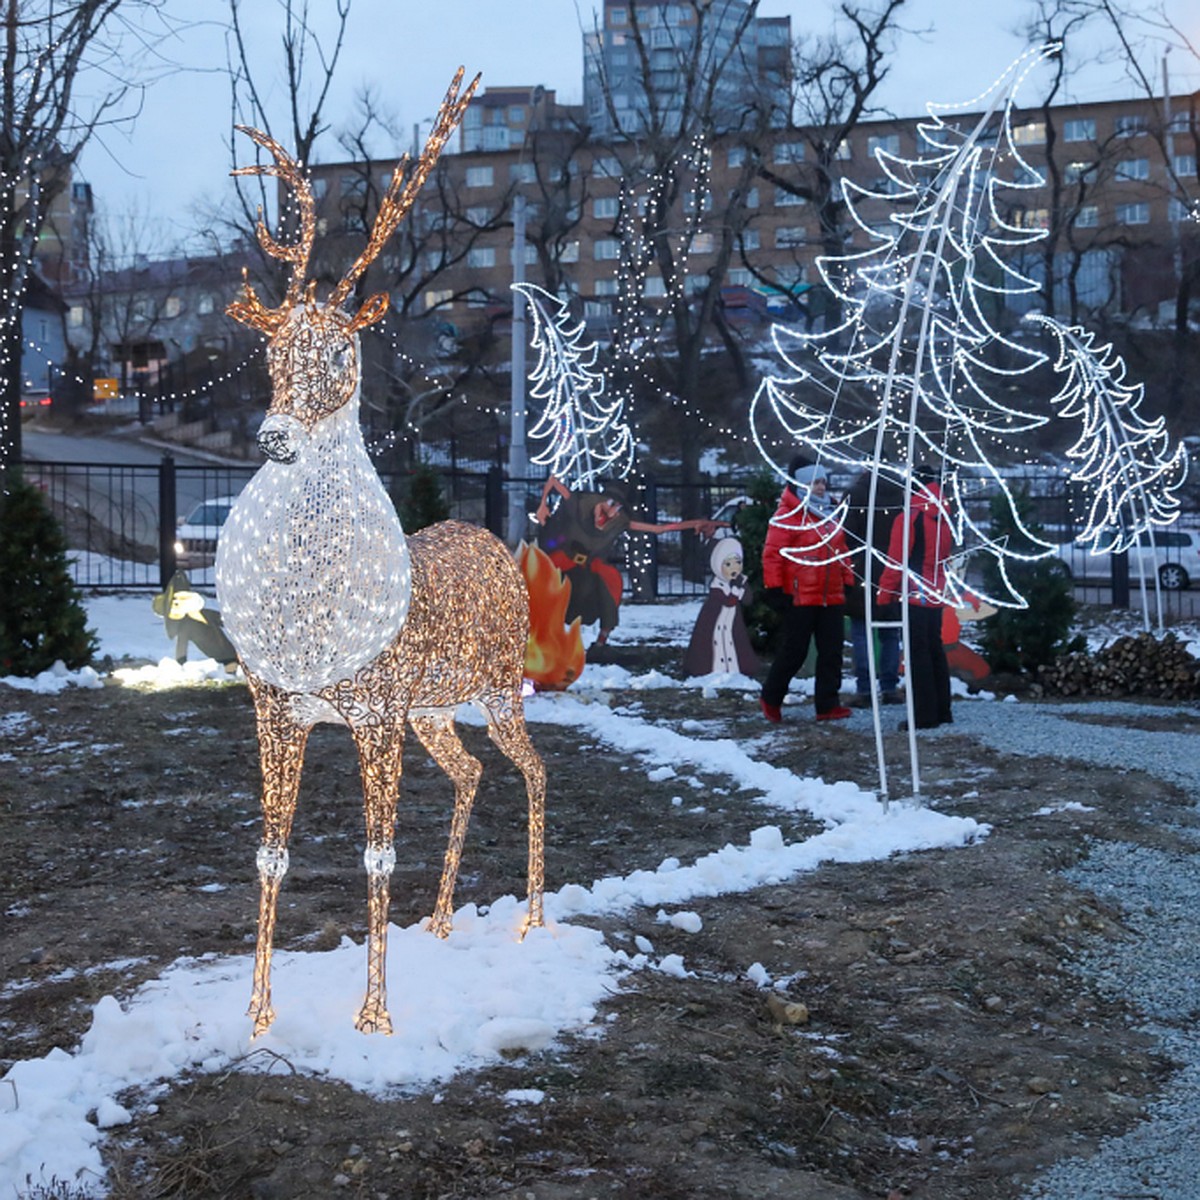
751 526
1025 639
42 618
423 503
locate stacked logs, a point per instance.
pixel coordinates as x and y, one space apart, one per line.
1134 665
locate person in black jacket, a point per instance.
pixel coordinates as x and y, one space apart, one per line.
889 503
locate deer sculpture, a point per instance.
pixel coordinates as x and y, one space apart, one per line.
335 615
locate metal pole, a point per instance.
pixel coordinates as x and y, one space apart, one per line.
518 467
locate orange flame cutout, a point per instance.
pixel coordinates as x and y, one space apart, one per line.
554 653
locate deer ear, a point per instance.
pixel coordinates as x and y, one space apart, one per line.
371 311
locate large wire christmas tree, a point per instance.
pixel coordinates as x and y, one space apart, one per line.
916 371
581 427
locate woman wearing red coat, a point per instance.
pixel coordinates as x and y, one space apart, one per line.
926 549
808 586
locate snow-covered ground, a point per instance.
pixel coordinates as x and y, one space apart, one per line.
464 1001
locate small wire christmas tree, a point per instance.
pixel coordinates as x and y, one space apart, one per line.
581 426
1125 465
918 372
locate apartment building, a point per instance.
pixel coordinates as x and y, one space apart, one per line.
1118 194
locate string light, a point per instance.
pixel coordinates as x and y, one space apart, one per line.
337 617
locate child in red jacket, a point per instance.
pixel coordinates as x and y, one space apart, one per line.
808 585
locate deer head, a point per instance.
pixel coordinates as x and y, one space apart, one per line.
313 352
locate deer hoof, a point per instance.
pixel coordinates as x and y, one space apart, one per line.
373 1017
439 926
531 921
263 1015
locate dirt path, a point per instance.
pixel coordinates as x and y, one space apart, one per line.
948 1050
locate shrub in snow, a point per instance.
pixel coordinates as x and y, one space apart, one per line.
42 618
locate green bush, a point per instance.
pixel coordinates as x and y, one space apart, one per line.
42 618
1024 639
423 503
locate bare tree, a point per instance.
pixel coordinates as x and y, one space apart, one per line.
836 78
46 118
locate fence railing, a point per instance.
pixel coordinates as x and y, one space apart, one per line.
123 523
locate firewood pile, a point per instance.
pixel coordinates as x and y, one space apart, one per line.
1134 665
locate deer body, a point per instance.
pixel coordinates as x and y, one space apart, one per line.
336 616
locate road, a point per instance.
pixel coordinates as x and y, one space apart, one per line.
110 488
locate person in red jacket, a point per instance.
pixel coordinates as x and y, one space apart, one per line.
926 548
808 586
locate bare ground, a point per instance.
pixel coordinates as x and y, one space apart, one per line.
967 1052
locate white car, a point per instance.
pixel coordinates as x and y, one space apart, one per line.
196 536
1173 553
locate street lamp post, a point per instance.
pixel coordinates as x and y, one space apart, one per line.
518 463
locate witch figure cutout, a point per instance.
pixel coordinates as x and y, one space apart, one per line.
720 642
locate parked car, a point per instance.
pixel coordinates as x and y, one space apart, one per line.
1174 553
196 536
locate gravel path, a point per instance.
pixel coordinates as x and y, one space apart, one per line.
1158 966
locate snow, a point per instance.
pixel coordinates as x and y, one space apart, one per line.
458 1003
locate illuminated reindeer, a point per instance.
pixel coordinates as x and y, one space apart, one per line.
336 616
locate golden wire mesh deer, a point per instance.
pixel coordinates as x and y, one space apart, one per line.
335 615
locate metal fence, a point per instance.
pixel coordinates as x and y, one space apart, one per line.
122 522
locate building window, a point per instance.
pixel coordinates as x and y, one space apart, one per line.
606 287
737 156
172 307
888 143
1032 133
750 239
704 243
1178 211
570 253
606 249
320 185
752 198
438 296
740 277
1081 129
480 177
786 199
530 255
689 202
205 303
617 16
479 214
1133 169
609 166
1032 218
524 172
481 256
354 187
788 152
1185 166
604 207
788 236
1075 171
1129 126
653 287
1088 217
516 114
841 152
1133 214
75 316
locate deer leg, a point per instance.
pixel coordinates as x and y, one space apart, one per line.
506 727
438 736
380 755
281 751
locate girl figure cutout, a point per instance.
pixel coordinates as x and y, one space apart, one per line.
720 641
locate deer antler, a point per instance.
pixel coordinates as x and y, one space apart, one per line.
249 309
401 194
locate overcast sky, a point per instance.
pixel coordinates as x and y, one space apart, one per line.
407 50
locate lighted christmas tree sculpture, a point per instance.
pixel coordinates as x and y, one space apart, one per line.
917 371
580 425
1127 469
